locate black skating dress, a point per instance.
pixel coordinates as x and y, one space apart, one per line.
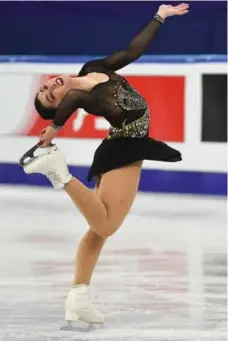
123 107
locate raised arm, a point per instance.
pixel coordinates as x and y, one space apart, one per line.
140 43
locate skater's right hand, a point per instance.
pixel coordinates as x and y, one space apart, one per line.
46 136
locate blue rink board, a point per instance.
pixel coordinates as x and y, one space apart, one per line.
160 181
175 59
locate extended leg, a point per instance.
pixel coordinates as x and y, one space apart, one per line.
88 253
87 256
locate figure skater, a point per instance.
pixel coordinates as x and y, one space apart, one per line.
117 161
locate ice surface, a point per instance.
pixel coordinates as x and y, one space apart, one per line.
161 277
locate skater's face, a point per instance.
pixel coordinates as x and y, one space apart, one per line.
51 93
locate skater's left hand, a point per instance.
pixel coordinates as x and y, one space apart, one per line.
47 135
168 10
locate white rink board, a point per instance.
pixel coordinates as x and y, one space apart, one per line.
197 156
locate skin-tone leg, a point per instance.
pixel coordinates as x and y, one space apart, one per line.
106 211
87 257
88 253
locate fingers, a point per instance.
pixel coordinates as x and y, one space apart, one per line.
43 144
182 12
43 131
182 7
44 138
42 141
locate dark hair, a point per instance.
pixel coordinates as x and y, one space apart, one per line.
45 113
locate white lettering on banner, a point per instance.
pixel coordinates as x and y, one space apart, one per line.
101 124
79 119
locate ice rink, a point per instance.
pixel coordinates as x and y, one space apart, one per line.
161 277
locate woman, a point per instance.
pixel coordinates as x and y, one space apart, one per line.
117 161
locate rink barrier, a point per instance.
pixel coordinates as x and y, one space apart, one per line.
176 59
152 180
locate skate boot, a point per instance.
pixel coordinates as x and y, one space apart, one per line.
78 306
50 162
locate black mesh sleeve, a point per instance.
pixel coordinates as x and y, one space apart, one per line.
71 102
136 48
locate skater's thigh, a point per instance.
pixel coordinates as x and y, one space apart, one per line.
117 190
92 234
97 184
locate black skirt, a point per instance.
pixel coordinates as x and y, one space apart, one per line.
118 152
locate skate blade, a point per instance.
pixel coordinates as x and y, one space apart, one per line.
81 326
29 156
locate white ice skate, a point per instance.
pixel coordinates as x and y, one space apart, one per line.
79 308
49 162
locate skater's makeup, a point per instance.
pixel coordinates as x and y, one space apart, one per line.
45 97
51 93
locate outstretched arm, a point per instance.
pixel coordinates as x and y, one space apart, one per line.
140 43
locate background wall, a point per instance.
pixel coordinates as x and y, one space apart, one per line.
89 28
187 94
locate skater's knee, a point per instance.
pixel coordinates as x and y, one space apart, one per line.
94 237
107 230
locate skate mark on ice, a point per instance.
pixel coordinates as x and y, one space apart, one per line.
81 327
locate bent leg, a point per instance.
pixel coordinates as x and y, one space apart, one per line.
106 211
88 253
117 191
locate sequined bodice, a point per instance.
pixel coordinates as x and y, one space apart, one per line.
135 115
117 101
127 110
128 98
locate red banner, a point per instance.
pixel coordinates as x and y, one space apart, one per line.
165 97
